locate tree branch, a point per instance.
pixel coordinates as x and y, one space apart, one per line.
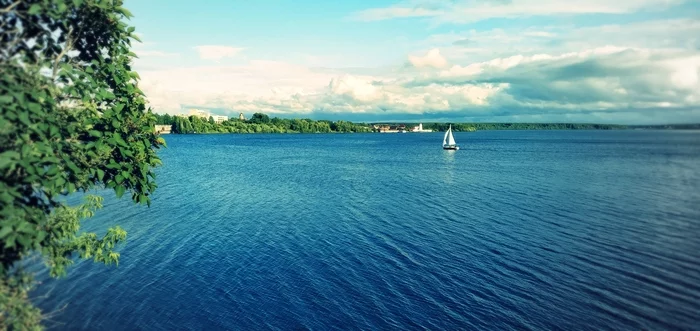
69 44
9 8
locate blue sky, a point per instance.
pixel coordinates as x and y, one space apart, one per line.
626 61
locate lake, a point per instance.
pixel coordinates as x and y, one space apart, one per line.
575 230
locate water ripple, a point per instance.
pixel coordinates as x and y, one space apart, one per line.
516 231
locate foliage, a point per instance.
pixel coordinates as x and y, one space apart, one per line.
261 123
258 123
260 118
72 118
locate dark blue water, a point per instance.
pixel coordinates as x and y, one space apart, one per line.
517 230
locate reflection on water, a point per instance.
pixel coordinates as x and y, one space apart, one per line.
449 155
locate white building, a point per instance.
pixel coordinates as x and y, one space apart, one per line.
419 128
219 118
205 115
199 113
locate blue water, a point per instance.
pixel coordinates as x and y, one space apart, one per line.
546 230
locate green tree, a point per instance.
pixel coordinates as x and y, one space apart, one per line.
72 118
260 118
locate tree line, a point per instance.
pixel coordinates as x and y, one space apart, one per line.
262 123
258 123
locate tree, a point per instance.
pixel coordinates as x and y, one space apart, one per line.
72 118
260 118
211 120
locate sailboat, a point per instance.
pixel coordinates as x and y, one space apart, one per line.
448 142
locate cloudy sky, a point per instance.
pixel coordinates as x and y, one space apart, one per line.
603 61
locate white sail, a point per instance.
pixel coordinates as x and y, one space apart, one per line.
450 138
444 139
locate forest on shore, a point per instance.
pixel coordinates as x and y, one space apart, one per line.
262 123
259 123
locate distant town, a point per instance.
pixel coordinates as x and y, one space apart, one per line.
401 128
170 124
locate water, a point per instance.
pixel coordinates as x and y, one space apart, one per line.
519 230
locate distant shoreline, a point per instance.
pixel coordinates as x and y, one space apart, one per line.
261 123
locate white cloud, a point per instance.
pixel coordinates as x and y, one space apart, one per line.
217 52
478 46
432 59
604 80
543 34
467 11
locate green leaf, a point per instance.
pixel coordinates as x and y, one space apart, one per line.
5 99
5 162
41 235
124 12
24 227
77 3
119 189
119 106
107 94
52 170
100 174
120 141
119 179
10 242
24 241
72 166
113 165
12 155
34 9
34 107
95 133
5 231
60 182
24 118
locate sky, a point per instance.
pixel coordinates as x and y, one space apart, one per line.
592 61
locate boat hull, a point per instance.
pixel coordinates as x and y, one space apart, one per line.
451 147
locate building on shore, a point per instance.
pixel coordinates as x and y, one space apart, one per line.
241 117
204 115
401 128
199 113
219 118
386 128
419 128
163 129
